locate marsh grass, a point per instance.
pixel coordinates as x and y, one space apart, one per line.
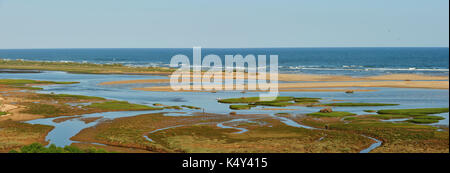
65 97
358 104
39 148
272 103
420 116
47 110
120 106
14 134
253 100
426 119
241 107
23 82
331 114
190 107
415 112
260 138
75 67
389 116
306 100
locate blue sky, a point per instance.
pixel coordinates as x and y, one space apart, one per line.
223 24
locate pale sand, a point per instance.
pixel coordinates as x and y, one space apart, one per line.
307 77
14 112
16 115
292 87
319 82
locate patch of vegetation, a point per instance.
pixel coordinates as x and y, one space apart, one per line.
399 137
370 111
430 117
121 106
254 100
350 118
426 119
415 112
14 134
75 67
66 97
46 110
423 121
39 148
23 82
30 88
272 103
260 138
306 100
173 107
358 104
190 107
331 114
3 113
241 107
129 132
389 116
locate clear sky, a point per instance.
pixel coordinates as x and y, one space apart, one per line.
223 24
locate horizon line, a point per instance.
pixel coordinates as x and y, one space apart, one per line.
235 47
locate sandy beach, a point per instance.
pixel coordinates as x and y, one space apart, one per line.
324 83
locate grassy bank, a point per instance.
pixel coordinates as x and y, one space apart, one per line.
74 67
358 104
397 137
39 148
200 134
331 114
28 84
15 134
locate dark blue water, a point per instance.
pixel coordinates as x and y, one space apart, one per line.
346 61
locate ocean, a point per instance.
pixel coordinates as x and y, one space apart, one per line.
337 61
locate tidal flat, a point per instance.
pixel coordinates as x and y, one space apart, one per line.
77 110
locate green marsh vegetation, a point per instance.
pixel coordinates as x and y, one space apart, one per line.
253 100
331 114
23 82
400 137
15 134
190 107
75 67
241 107
306 100
284 101
281 101
389 116
358 104
26 84
260 138
47 110
414 112
120 106
419 116
370 111
396 137
65 97
129 132
39 148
